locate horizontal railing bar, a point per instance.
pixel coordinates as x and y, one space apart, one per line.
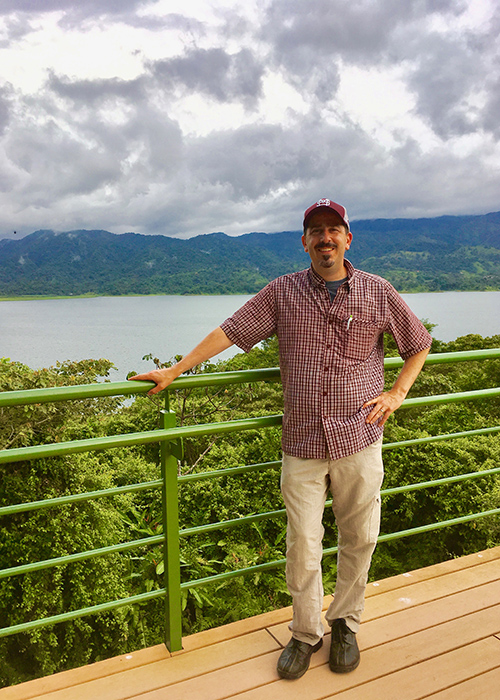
80 556
57 449
89 391
451 398
224 524
132 488
438 438
78 497
438 482
25 397
82 612
233 574
437 526
127 388
231 471
439 358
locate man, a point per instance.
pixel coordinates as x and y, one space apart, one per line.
330 320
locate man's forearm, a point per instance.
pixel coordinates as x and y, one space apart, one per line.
409 372
389 401
215 343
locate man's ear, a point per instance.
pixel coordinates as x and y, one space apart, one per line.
304 242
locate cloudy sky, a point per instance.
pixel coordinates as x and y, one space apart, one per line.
187 117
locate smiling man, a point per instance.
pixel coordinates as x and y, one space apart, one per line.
330 320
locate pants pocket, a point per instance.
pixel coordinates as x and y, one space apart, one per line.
374 521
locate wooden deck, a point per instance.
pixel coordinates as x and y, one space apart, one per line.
432 633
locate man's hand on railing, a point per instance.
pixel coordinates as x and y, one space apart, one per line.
161 377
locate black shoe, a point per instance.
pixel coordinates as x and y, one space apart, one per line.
344 652
295 657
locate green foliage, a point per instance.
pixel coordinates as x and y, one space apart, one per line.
56 532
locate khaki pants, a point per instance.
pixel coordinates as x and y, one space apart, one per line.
354 483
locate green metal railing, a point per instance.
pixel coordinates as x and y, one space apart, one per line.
170 438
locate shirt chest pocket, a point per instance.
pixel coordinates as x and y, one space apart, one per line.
360 338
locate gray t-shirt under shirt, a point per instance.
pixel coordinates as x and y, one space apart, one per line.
333 285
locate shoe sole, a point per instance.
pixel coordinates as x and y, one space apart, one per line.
344 669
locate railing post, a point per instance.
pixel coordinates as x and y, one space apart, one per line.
171 553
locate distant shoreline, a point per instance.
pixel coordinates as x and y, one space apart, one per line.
41 297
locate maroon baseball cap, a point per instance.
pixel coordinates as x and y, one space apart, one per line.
327 204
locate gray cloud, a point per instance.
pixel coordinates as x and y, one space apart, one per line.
253 161
53 165
359 30
75 12
490 118
4 108
310 41
223 76
15 29
96 91
447 74
85 7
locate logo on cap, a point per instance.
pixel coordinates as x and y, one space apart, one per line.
323 203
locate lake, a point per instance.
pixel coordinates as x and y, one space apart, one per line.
124 329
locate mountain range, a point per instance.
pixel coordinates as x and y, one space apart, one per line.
432 254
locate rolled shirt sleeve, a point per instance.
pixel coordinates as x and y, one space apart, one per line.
254 321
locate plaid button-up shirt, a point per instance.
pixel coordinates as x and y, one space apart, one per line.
331 354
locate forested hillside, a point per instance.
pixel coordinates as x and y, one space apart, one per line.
445 253
47 533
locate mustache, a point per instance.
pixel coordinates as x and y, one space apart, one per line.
330 246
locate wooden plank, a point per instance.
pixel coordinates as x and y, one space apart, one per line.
428 615
441 672
433 589
170 671
433 571
235 629
100 669
483 687
384 659
222 683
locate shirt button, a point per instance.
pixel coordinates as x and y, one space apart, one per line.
325 393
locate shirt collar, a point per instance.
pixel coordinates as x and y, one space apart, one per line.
318 281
